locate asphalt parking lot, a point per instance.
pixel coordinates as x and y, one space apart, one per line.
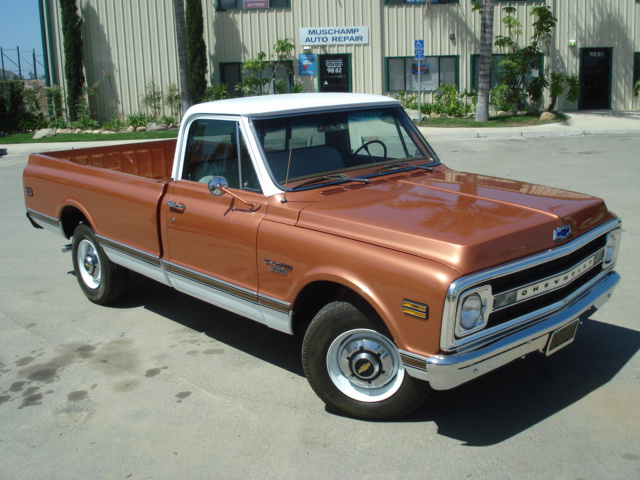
165 386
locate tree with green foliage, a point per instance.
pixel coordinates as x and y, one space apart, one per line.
519 61
196 50
284 50
73 55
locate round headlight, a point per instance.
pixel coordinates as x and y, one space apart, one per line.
612 247
471 311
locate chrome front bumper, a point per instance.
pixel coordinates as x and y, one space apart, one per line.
448 371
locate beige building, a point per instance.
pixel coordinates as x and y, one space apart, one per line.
345 45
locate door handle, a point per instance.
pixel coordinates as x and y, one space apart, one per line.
179 206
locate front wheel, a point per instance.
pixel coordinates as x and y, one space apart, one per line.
101 280
354 367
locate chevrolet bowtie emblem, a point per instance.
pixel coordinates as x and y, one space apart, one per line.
364 368
562 232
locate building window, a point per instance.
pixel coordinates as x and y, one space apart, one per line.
232 75
496 70
224 5
402 73
417 2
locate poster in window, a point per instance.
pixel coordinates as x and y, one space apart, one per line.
307 64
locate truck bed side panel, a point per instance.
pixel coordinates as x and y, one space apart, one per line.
119 206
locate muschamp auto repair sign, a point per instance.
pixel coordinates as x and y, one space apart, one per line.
334 36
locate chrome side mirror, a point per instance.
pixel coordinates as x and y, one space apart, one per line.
218 185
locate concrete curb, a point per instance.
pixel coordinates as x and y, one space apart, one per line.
464 133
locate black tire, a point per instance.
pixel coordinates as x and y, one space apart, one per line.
353 365
101 280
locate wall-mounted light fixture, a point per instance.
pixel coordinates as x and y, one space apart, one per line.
306 48
572 43
452 36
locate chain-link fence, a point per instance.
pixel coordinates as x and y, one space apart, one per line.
21 64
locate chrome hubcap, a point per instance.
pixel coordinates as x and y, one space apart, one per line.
89 264
365 365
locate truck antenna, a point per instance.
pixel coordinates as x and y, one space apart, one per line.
286 180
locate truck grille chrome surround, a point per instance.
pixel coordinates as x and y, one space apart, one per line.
527 290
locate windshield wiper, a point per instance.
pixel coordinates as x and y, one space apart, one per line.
339 177
395 166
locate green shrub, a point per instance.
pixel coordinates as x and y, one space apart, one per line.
57 122
298 87
501 99
166 120
152 99
115 125
54 95
139 119
11 104
409 101
216 92
30 122
447 101
174 99
85 123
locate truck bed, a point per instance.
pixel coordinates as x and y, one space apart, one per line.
153 160
117 189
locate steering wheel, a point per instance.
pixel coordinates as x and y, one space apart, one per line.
366 147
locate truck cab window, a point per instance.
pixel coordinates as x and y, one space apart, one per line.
216 148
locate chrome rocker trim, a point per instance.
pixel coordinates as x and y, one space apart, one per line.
40 220
444 372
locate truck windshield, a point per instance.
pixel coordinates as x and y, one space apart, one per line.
335 142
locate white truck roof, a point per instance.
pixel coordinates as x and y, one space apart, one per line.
268 105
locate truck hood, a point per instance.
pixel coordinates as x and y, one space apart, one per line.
464 220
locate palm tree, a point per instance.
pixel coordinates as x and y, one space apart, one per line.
486 44
181 35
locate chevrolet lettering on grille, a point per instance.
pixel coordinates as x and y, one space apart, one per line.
554 283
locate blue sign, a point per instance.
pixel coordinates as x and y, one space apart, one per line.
418 50
307 64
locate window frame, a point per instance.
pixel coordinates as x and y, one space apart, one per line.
219 7
242 161
439 57
472 68
221 65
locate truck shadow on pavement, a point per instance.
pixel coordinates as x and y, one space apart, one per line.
255 339
510 400
484 412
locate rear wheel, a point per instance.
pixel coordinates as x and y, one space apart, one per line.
101 280
353 365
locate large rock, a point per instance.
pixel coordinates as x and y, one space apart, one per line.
152 127
44 133
130 129
546 116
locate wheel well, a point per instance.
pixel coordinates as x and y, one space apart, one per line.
71 217
315 296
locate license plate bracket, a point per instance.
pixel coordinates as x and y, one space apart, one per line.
562 337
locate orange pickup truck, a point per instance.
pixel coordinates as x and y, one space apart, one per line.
330 214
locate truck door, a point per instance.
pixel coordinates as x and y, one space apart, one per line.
210 241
